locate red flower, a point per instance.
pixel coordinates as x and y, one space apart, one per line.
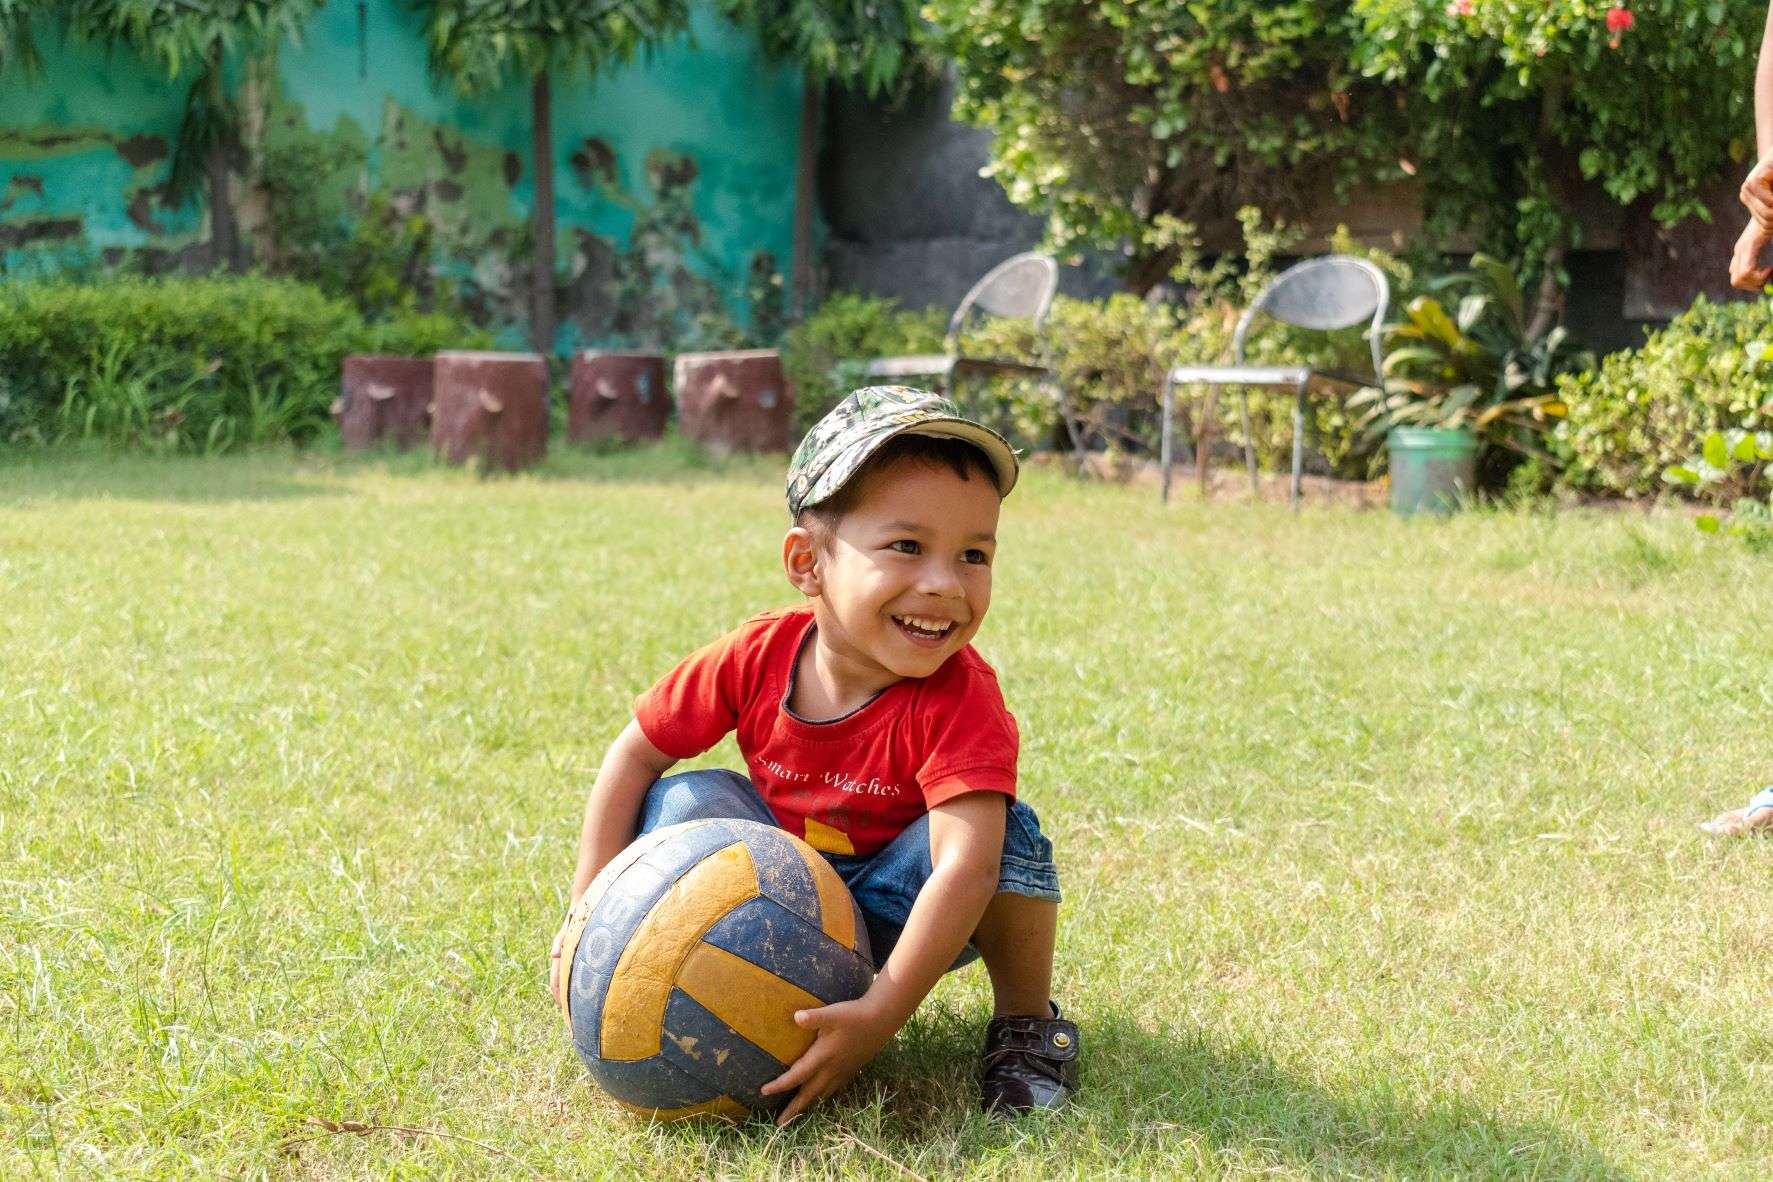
1459 8
1619 19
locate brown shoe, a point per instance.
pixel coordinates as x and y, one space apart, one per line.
1029 1063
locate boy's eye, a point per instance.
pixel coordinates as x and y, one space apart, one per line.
978 556
904 546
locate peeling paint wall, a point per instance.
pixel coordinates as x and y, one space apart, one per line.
674 176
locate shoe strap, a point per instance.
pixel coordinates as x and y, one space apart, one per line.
1049 1038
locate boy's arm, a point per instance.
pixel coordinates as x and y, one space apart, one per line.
966 847
629 769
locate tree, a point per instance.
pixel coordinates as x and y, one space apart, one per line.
1510 101
1120 122
871 45
480 44
200 36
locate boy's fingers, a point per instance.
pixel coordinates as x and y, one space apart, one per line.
793 1077
808 1096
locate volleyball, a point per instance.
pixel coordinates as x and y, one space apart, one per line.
689 955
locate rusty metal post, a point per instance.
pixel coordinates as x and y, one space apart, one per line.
490 405
383 399
616 395
736 401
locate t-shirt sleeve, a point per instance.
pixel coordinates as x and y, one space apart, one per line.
696 705
971 743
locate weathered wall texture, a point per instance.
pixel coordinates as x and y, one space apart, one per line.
674 176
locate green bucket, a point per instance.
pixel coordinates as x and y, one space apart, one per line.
1431 470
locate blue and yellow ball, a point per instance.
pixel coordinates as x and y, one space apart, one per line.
691 952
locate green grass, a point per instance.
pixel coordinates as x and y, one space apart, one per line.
1377 836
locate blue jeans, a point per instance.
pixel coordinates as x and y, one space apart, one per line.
886 883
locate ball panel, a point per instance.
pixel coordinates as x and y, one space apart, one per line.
652 1083
837 910
605 919
782 874
793 950
634 1005
707 1048
584 995
722 1108
754 1001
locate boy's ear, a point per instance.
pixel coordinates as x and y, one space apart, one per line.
800 562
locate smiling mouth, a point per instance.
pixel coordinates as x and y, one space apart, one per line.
924 631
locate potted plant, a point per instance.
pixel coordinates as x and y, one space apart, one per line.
1467 395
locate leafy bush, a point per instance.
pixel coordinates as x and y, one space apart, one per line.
185 363
1502 99
823 355
1117 122
1111 356
1646 410
1731 468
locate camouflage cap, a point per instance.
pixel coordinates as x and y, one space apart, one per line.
841 442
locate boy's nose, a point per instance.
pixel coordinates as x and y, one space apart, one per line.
941 580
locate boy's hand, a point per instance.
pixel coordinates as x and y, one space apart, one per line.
849 1034
1746 271
557 978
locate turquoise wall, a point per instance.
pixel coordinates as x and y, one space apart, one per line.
674 175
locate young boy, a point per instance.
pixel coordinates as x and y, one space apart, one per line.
871 729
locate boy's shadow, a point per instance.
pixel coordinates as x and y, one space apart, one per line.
1146 1093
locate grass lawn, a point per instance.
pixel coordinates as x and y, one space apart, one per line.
1378 836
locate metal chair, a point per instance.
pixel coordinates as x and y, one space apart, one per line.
1336 291
1019 288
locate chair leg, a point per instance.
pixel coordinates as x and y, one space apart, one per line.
1072 430
1166 443
1243 410
1298 445
1203 442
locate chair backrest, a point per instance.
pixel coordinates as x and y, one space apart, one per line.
1336 291
1020 287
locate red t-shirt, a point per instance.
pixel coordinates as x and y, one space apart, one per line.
850 785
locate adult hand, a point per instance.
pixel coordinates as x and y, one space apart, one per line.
848 1035
1746 269
1757 191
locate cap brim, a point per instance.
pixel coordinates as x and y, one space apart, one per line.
997 449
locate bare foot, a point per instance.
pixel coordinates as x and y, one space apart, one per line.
1758 814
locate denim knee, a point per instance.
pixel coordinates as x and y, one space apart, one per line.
886 884
701 795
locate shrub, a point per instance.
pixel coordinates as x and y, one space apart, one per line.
185 363
1648 409
1111 356
823 354
1731 469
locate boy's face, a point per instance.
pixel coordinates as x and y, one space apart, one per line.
903 580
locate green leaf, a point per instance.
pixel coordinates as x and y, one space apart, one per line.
1680 474
1714 450
1707 523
